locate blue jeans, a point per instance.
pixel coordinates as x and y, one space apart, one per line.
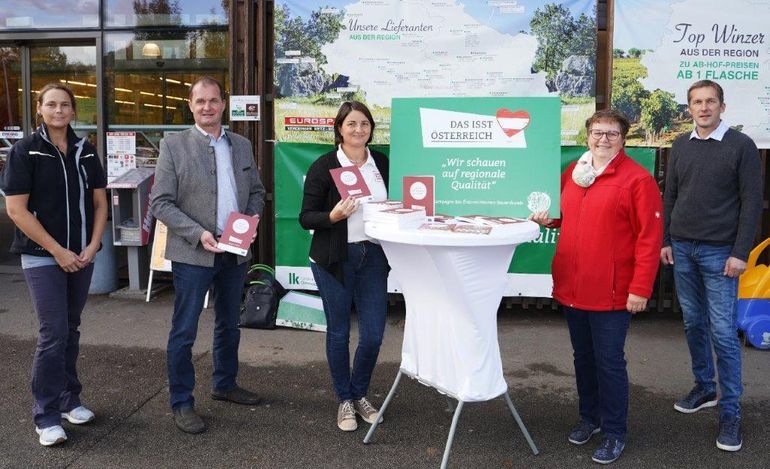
191 283
598 339
365 285
59 298
709 302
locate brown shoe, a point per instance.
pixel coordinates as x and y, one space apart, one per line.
366 410
346 417
188 421
237 395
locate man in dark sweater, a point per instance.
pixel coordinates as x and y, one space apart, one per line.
713 203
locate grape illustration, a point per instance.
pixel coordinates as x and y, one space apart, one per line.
538 202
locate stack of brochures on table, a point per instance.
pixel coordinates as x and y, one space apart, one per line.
498 223
438 223
471 224
400 217
471 228
489 220
501 221
370 208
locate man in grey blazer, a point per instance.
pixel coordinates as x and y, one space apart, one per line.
203 174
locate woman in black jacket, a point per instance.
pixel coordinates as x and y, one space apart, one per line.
349 268
55 193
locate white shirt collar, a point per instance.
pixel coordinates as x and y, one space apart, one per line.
716 134
344 161
222 133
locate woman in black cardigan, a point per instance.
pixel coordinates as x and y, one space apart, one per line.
349 268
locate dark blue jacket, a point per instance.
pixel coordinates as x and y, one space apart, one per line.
60 188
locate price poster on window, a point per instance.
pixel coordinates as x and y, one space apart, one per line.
121 153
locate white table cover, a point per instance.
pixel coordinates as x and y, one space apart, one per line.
452 284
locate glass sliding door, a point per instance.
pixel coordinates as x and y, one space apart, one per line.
25 67
147 77
11 119
74 66
11 130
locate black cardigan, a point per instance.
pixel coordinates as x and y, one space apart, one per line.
330 240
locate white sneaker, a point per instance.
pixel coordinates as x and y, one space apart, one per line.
51 435
366 410
346 417
78 415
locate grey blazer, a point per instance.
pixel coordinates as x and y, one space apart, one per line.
184 194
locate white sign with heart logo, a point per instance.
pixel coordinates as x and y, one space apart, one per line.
452 129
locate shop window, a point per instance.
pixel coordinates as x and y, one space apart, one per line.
11 114
74 66
122 13
24 14
148 77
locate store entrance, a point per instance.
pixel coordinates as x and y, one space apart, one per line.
25 67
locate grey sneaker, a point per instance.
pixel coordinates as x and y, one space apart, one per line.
729 438
346 417
582 432
366 410
698 399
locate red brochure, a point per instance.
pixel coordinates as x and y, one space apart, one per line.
497 221
419 192
350 182
239 230
472 229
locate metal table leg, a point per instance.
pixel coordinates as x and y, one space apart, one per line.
451 436
450 405
392 392
521 424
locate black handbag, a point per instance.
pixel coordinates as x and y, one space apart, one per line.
260 305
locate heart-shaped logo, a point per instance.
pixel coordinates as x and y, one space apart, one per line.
512 122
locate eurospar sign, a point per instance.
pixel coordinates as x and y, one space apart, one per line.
316 124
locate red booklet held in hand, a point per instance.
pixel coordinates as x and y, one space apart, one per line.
350 182
239 230
419 192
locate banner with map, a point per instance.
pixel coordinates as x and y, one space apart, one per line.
661 47
372 51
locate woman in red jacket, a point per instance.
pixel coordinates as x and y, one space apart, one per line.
603 272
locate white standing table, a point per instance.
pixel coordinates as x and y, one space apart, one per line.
452 284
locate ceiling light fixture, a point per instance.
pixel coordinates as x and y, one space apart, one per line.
151 50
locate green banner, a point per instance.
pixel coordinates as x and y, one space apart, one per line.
489 156
292 243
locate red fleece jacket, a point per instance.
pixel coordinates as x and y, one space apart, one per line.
610 239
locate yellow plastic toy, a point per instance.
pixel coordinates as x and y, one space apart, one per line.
755 282
753 309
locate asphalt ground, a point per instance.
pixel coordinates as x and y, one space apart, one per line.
122 368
